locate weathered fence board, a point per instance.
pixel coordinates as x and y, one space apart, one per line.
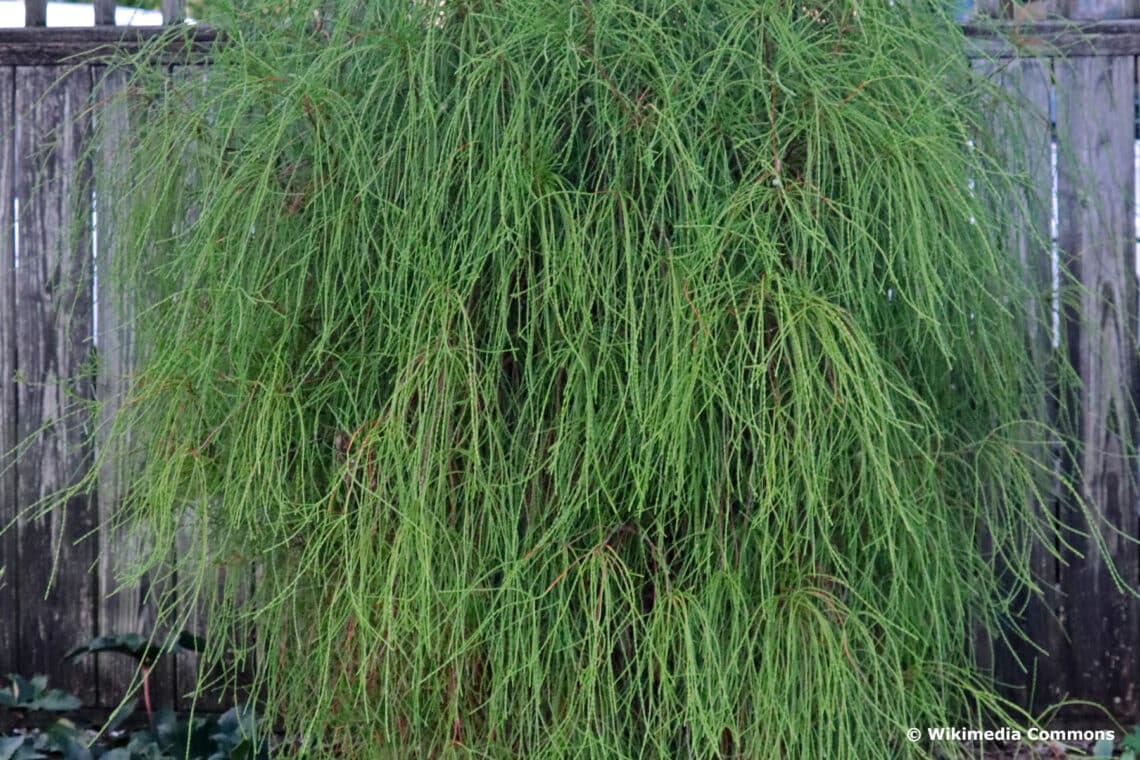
123 607
1097 9
105 12
1030 81
35 12
45 46
53 330
173 11
1056 38
1022 127
1096 236
9 540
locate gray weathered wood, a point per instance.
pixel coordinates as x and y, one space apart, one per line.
1100 9
105 12
35 12
992 8
173 11
986 649
9 534
1029 82
1095 136
124 607
1035 10
1054 38
1021 126
57 45
53 322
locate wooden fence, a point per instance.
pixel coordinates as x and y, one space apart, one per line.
49 307
1090 633
1077 117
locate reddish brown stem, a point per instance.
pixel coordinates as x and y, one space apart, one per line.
146 694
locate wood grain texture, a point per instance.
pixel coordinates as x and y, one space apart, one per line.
9 536
1100 9
1095 135
173 11
35 12
53 322
105 12
1054 38
1021 128
67 45
125 605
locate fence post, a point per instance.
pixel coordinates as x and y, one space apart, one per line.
53 328
1089 10
35 12
173 11
1022 136
1096 238
104 12
9 538
133 607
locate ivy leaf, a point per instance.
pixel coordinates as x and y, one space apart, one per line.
142 648
33 694
121 713
119 753
1132 741
56 701
69 741
9 746
188 642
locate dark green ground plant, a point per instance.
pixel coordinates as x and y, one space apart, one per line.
146 650
581 378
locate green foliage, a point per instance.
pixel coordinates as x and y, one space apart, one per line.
582 379
34 694
229 736
232 735
61 738
139 646
1131 744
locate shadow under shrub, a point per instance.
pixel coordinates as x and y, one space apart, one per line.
581 379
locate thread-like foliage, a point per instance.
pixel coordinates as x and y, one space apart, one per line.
580 378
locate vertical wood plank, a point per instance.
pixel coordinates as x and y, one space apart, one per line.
1023 133
188 673
123 607
9 538
1092 10
1095 232
105 12
1042 684
53 322
35 12
992 9
173 11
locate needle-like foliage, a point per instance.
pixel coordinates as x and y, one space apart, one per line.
581 378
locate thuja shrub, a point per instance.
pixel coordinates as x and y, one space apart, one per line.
580 378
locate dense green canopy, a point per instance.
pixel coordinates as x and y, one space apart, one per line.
582 378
